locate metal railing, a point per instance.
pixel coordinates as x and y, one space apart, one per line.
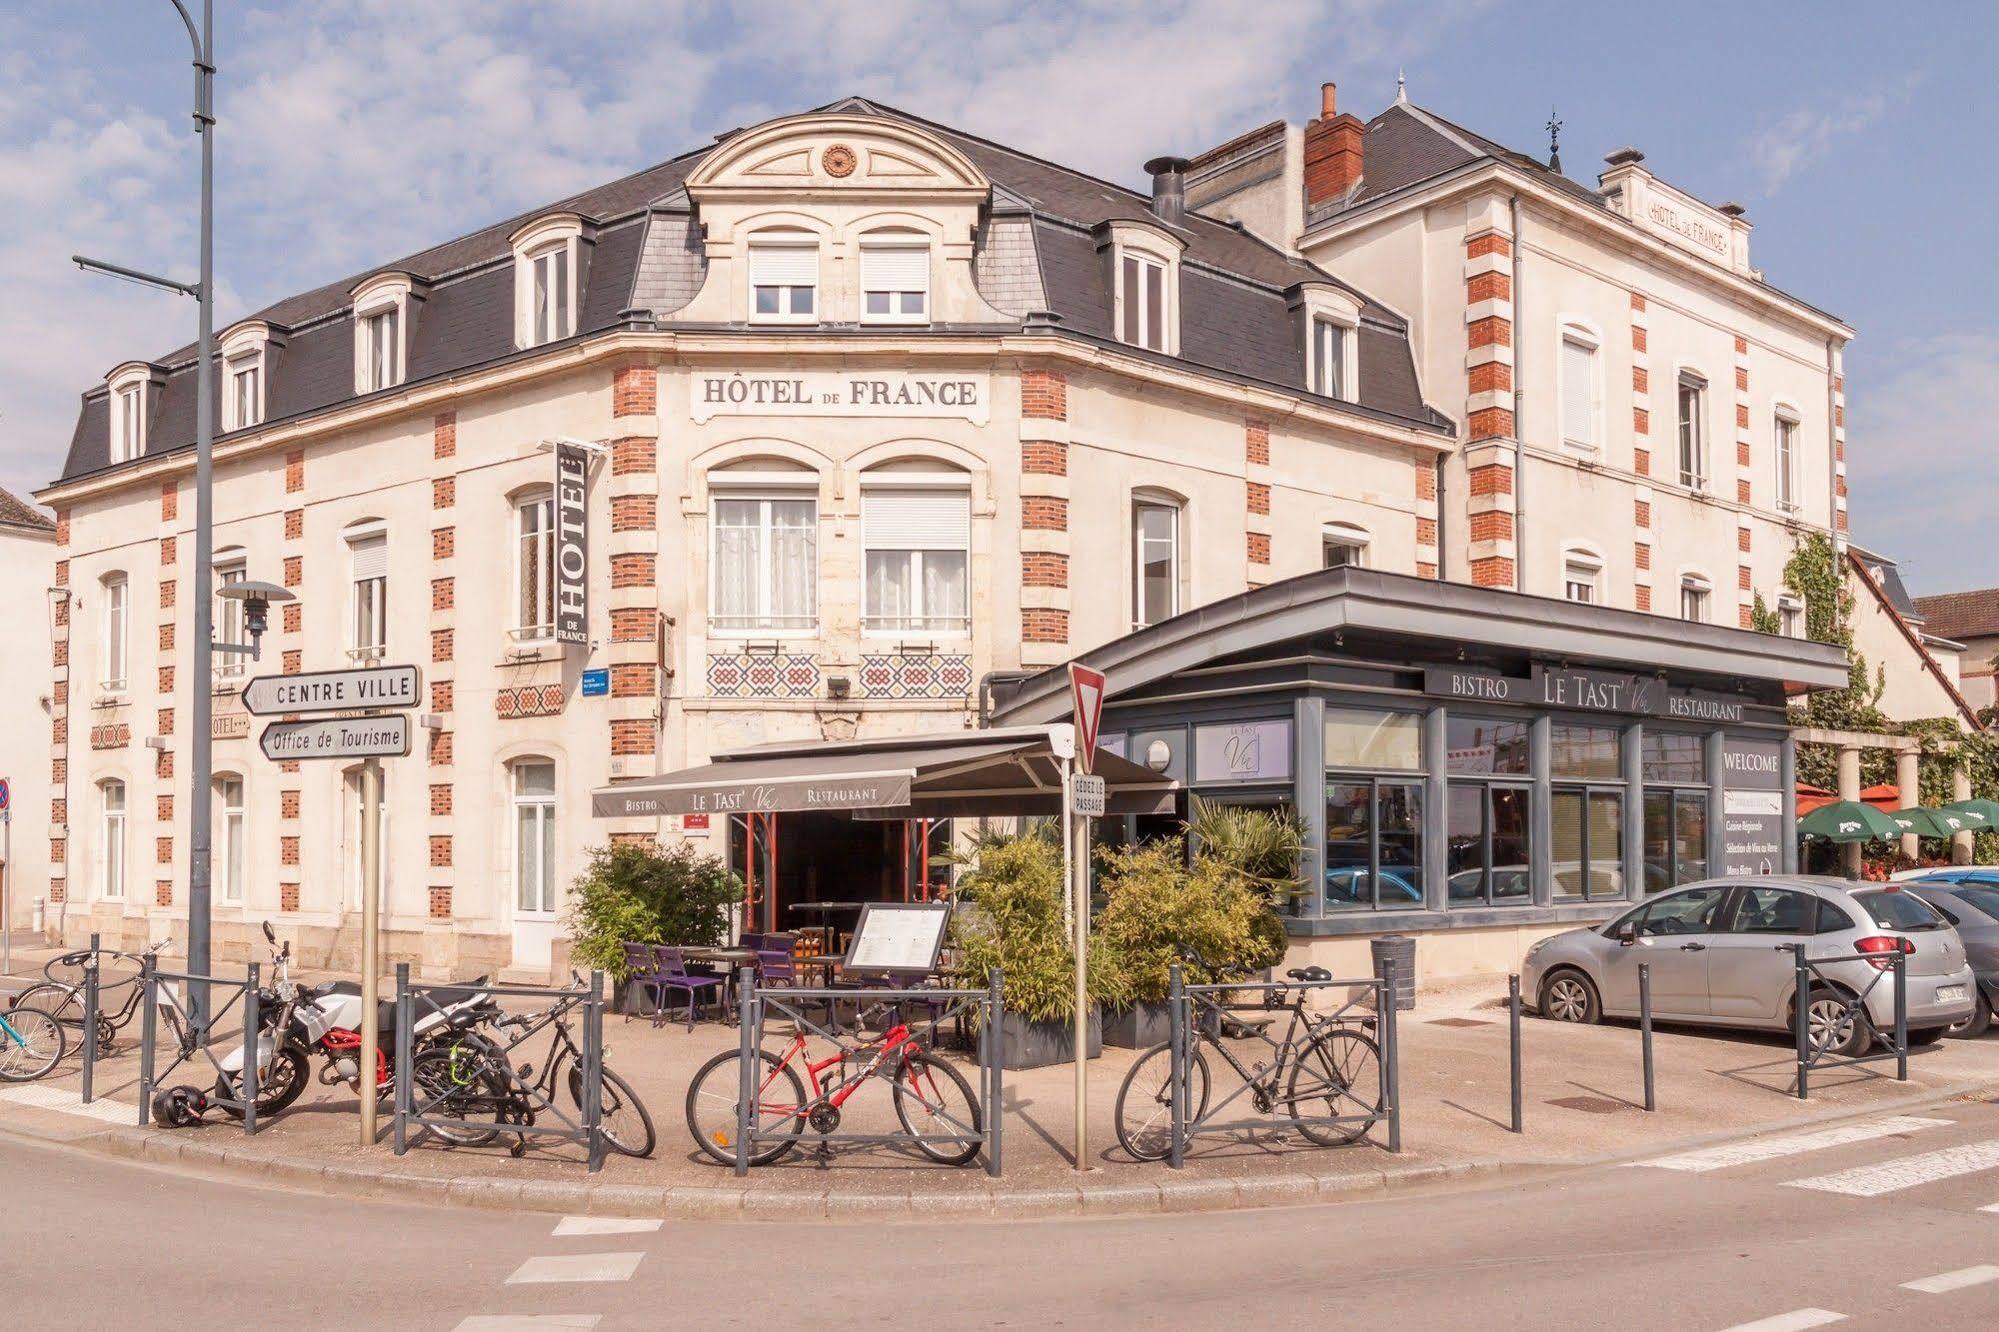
985 1007
1853 1009
244 1103
527 1101
1204 1009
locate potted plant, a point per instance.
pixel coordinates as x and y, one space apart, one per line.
1010 916
637 892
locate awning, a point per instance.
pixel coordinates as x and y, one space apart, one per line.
956 774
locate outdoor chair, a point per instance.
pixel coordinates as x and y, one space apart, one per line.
673 975
642 968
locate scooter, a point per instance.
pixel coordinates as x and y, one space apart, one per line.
300 1021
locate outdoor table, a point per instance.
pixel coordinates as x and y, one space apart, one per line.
827 909
730 960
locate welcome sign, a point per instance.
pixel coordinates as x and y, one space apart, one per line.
965 395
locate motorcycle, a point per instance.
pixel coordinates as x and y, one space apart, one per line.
297 1022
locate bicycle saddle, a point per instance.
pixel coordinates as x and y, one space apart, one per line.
1309 974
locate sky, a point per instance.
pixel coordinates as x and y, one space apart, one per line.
351 132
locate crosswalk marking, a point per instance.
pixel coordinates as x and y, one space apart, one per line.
576 1267
1906 1172
605 1225
1769 1149
1945 1282
529 1323
1795 1321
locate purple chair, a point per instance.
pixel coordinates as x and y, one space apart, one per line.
673 975
642 969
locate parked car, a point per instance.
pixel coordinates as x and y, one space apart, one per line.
1968 897
1720 953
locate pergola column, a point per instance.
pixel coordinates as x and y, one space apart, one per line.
1849 789
1909 778
1960 789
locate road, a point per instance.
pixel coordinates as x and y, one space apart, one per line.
1880 1223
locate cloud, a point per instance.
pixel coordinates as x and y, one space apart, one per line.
1923 461
1801 138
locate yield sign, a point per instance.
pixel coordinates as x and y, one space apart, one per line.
1086 687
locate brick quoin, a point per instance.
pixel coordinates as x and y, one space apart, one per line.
631 624
1488 287
59 810
632 680
1044 457
1492 525
1741 379
1743 578
169 550
1496 572
635 391
62 613
1742 492
163 892
1044 624
163 808
1742 346
440 850
440 645
634 513
1748 617
1641 379
444 435
1644 598
1044 514
1040 568
1742 453
631 736
288 897
1256 442
634 569
440 799
1742 539
1641 421
1839 522
163 765
1492 331
293 661
1425 569
1492 377
294 617
294 524
1491 423
1259 547
167 593
288 804
443 594
294 570
633 455
1426 531
288 849
294 471
443 542
60 652
1491 479
440 749
1641 512
166 679
1259 497
1426 482
165 721
1742 416
58 774
1641 461
443 492
440 903
1641 555
1044 395
61 696
62 573
169 502
62 527
1491 242
1637 302
1638 339
441 695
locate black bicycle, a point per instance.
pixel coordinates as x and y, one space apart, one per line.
119 995
472 1079
1326 1067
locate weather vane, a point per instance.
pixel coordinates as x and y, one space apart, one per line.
1554 141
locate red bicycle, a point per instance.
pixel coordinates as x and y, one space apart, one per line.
933 1102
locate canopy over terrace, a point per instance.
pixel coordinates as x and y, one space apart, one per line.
956 774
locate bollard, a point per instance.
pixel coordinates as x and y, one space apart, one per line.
90 1022
1902 1015
1176 1065
996 1012
746 1070
1513 1021
148 1023
253 1050
1645 1029
593 1072
1391 1055
1801 1017
399 1124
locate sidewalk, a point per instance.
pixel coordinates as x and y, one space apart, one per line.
1583 1094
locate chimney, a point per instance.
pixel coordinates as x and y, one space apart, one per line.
1332 151
1169 189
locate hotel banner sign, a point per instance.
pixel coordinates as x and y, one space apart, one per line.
778 796
572 543
1579 690
965 395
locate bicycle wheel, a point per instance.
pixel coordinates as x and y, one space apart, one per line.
1145 1102
1338 1074
31 1043
447 1083
59 1001
716 1091
936 1105
626 1124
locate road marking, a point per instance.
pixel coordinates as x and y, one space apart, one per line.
576 1267
67 1102
1906 1172
1945 1282
528 1322
1769 1149
1795 1321
604 1225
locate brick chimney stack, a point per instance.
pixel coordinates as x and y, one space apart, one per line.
1332 150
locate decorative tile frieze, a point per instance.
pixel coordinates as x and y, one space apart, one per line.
915 674
750 674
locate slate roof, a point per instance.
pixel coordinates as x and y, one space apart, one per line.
1235 315
1962 615
17 512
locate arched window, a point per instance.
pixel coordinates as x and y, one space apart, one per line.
548 261
531 783
784 277
1696 592
1579 393
1155 558
111 840
1344 545
534 565
1582 575
916 539
895 277
368 598
117 632
764 566
229 833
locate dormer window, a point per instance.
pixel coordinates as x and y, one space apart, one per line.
1145 278
245 373
131 401
1329 358
548 261
551 319
381 350
384 310
784 278
1142 290
1330 330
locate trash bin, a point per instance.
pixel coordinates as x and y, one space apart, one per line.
1401 948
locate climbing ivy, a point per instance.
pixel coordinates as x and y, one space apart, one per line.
1762 619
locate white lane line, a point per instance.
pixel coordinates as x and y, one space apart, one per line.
528 1322
576 1267
1795 1321
1905 1172
1769 1149
605 1225
1944 1282
68 1102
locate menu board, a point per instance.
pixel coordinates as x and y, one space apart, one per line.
898 937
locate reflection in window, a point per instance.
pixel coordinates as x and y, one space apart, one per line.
1362 738
1675 838
1374 841
1584 751
1589 842
1155 535
534 566
1477 746
1672 757
1487 832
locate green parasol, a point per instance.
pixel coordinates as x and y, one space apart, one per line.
1978 815
1926 822
1849 821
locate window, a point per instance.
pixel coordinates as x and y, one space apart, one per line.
1361 738
351 788
1155 538
549 315
229 615
1774 911
1329 359
1374 820
128 422
1142 296
1579 396
111 840
1790 615
1582 576
766 563
381 350
1484 746
533 782
1342 545
245 406
1693 431
1584 751
534 567
229 808
1487 835
368 552
784 280
1588 842
1694 597
1893 909
1671 757
895 282
117 633
1690 912
1675 838
916 546
1784 427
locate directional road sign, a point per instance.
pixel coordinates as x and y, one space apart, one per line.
335 691
338 737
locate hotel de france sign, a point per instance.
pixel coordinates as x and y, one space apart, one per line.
915 394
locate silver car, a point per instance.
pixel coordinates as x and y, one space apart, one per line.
1720 955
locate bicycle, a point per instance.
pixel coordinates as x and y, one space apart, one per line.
1326 1067
32 1043
472 1079
923 1085
64 1000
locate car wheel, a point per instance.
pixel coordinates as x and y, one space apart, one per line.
1974 1026
1568 996
1834 1027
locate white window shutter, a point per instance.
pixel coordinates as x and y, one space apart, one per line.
916 520
895 268
784 265
1578 372
371 557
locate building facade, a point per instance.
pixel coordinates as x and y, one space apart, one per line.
798 436
27 546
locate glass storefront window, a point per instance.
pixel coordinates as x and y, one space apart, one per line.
1589 842
1675 758
1487 835
1374 841
1479 746
1361 738
1584 751
1675 838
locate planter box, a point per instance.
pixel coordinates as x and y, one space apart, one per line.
1025 1044
635 1000
1139 1027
